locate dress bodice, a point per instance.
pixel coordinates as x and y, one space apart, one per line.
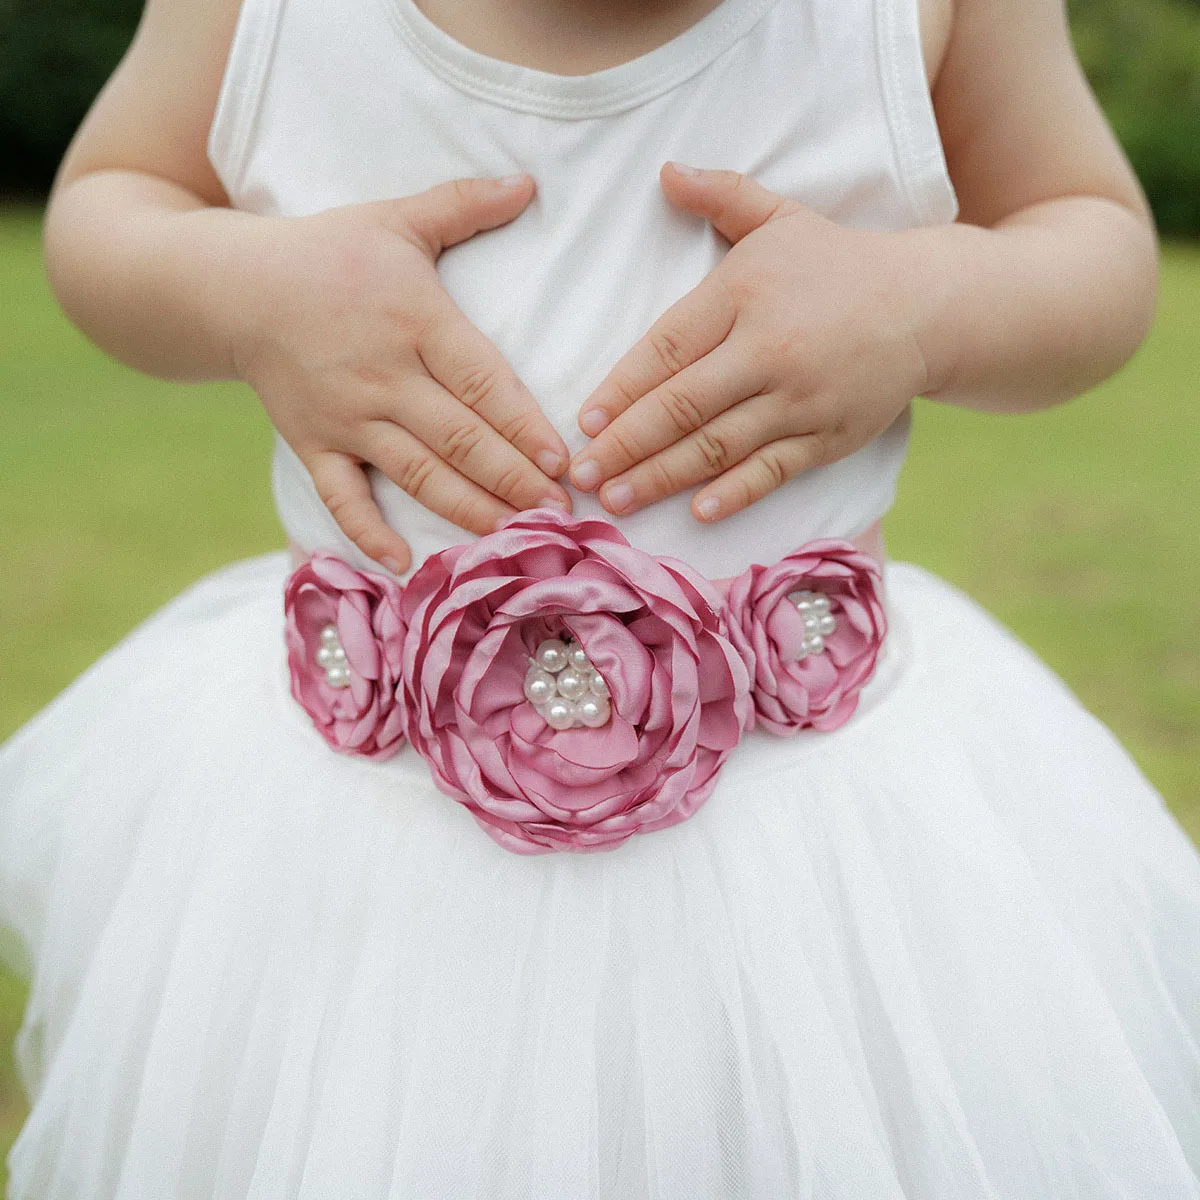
822 100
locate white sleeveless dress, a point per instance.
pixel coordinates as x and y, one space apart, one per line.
950 951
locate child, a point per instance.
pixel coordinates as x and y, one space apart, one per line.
873 908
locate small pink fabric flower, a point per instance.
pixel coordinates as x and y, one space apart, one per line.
793 689
345 637
653 629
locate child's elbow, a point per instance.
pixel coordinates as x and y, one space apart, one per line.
1125 275
1137 300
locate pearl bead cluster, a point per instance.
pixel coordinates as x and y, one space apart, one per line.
819 622
332 658
565 688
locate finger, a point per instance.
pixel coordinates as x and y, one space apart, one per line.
685 333
766 469
455 211
470 368
708 452
734 204
672 411
433 484
342 484
464 441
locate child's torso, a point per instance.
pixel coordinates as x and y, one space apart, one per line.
824 100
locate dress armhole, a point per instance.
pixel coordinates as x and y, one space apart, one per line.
920 158
240 95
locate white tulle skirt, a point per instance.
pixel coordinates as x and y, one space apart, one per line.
951 951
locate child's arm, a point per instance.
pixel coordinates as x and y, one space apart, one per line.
337 320
809 339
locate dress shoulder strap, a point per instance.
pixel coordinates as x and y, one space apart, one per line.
915 137
236 111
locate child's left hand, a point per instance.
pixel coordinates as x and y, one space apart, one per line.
798 349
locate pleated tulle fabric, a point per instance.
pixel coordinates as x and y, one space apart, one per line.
948 952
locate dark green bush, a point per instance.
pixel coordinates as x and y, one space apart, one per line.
1142 56
54 57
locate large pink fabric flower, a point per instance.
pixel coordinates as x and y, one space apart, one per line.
346 680
794 690
654 630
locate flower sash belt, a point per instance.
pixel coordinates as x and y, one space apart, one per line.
569 689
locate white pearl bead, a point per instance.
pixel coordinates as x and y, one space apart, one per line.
801 601
325 656
815 644
539 686
338 677
560 714
552 655
820 603
594 711
811 621
598 685
329 635
571 684
827 624
579 658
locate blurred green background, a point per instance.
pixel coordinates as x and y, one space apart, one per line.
1077 527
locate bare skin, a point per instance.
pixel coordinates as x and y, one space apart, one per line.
577 37
1045 287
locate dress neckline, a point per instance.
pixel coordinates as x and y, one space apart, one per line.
577 97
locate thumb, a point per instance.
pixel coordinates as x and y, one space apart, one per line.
734 204
455 211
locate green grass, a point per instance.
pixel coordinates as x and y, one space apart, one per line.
1080 528
1077 527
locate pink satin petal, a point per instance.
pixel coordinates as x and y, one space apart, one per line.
839 716
621 658
568 759
313 611
610 748
337 574
716 670
652 580
358 638
493 673
495 790
365 727
720 728
572 594
784 625
549 552
559 787
817 673
580 807
845 647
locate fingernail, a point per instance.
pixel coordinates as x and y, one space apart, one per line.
512 181
594 421
586 475
684 169
708 508
554 502
618 496
391 564
550 463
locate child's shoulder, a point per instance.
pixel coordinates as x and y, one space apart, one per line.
155 112
1017 118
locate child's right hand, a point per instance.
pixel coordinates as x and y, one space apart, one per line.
360 357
